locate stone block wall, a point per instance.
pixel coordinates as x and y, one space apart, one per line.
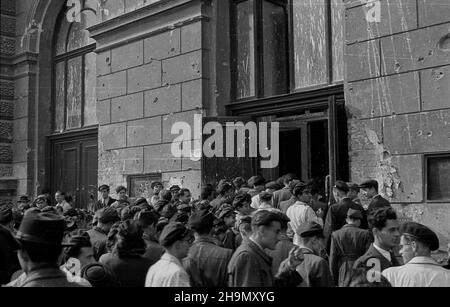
147 82
397 65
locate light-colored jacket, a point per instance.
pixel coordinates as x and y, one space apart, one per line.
300 213
167 272
419 272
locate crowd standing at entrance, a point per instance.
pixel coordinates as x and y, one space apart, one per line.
240 233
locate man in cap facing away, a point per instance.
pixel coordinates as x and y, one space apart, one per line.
370 188
169 271
420 270
40 244
98 235
250 266
206 262
347 245
314 269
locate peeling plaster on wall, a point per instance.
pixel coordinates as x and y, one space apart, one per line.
110 164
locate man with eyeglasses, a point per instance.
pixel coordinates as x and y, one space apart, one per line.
169 271
420 269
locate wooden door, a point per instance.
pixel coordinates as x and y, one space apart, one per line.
74 166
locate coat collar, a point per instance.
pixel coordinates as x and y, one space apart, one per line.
257 249
423 260
206 239
46 272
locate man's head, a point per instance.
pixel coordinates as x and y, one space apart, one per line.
353 190
340 190
147 220
185 196
369 188
225 190
266 228
156 187
238 182
272 186
259 183
59 196
207 193
302 192
121 192
106 218
266 198
290 180
40 239
242 203
177 239
417 240
41 202
175 191
6 215
104 190
202 222
81 250
228 215
311 236
385 227
354 217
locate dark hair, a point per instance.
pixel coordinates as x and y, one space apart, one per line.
161 224
62 193
146 218
220 227
289 177
168 211
111 239
265 218
121 188
129 212
166 195
155 183
258 180
299 188
80 240
206 192
240 199
129 239
224 187
184 191
377 219
42 253
265 196
98 275
68 198
46 191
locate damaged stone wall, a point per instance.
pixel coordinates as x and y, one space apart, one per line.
397 61
150 74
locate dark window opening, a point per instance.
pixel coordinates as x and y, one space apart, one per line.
438 177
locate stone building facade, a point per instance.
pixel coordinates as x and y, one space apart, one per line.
364 93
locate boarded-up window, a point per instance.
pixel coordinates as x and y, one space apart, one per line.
245 50
310 54
75 73
438 178
274 48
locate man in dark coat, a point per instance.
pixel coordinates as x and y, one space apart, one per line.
347 245
314 270
40 245
385 230
99 234
105 201
337 214
225 196
283 247
206 262
250 266
289 181
9 263
370 188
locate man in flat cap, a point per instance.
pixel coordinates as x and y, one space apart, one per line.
228 215
175 192
105 200
347 245
289 181
169 271
370 188
385 230
98 235
9 263
337 215
314 270
420 269
40 245
250 266
206 262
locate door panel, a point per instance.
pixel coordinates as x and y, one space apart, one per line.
74 167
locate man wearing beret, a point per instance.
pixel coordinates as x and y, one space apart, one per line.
314 270
370 188
105 201
250 266
106 218
420 269
347 245
337 215
169 271
206 262
385 230
40 245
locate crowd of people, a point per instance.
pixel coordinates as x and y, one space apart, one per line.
240 233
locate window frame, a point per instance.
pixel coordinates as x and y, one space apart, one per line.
425 159
259 55
64 58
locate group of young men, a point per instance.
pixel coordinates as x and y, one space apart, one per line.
238 234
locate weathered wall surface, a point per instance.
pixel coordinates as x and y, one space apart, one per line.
151 67
398 100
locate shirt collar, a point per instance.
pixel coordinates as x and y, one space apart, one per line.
422 260
171 258
386 254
